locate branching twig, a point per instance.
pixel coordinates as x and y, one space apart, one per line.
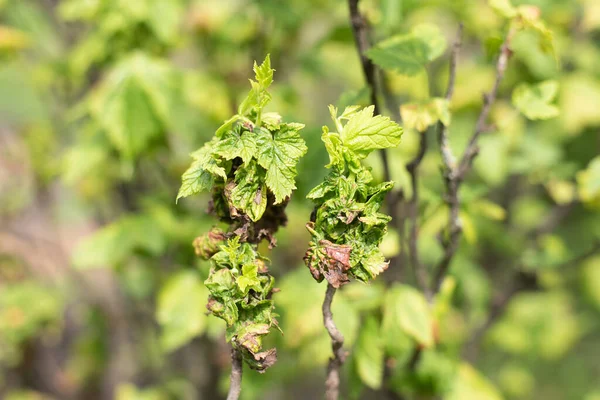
360 29
235 386
450 176
488 99
412 167
455 174
332 383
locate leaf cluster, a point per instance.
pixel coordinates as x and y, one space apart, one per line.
240 290
347 227
250 164
250 168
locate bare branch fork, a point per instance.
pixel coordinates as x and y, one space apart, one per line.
235 386
454 174
332 384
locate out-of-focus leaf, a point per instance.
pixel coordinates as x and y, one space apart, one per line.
443 298
409 53
420 116
412 313
368 354
562 192
113 243
534 100
471 385
181 309
540 323
396 340
588 183
133 103
579 102
517 381
590 274
25 308
504 8
12 39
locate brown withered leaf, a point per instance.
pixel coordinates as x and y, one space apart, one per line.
207 245
338 253
264 360
330 261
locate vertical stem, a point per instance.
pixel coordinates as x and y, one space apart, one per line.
332 384
235 386
412 167
360 29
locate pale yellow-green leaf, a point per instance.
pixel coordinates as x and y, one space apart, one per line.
369 354
470 384
181 309
413 314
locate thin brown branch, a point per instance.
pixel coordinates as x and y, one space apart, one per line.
455 174
332 383
360 29
235 386
412 167
450 176
488 100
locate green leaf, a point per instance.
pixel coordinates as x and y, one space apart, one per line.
200 176
364 132
530 19
588 183
369 354
279 153
133 104
113 243
534 100
421 115
164 18
413 314
408 54
237 144
258 97
264 73
397 342
433 38
181 309
249 194
471 385
405 54
504 8
249 278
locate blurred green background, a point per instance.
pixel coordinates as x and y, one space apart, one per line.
101 295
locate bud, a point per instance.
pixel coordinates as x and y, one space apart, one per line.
207 245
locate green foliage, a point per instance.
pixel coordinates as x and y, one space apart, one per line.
179 302
114 243
102 101
348 226
133 103
267 148
240 290
26 310
534 101
369 354
421 115
409 53
408 310
588 182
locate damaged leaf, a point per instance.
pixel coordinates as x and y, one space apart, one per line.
348 228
